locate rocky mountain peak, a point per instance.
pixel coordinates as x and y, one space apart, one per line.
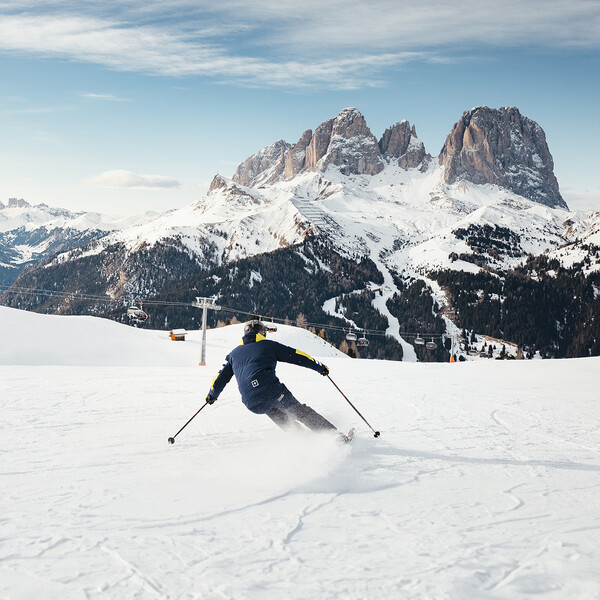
502 147
264 167
15 203
217 183
496 146
318 145
350 123
352 146
400 143
345 142
296 157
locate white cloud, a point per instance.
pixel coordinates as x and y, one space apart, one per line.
107 97
337 43
118 178
400 25
161 51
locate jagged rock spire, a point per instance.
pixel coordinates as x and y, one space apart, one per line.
264 167
296 157
352 147
497 146
502 147
400 142
345 142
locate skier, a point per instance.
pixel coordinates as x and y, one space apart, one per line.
253 364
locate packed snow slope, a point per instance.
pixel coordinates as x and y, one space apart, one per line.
37 339
483 484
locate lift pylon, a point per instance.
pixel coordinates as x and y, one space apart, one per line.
205 304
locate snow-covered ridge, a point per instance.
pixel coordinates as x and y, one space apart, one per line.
29 234
20 214
37 339
407 217
236 221
338 183
341 183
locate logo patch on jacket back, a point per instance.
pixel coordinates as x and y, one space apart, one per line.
254 383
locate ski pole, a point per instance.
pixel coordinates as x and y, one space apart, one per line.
377 433
171 440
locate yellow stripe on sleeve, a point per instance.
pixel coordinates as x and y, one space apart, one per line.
304 354
212 383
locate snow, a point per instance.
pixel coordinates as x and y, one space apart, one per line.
36 339
483 484
239 221
255 276
21 214
411 214
415 144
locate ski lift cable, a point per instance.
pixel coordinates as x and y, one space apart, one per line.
81 296
295 322
59 293
107 299
327 326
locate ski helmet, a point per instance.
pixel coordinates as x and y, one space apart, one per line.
255 326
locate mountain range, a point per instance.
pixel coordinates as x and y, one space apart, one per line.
358 232
29 234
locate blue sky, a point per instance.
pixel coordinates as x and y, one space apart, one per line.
124 107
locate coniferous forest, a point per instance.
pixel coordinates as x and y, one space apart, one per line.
540 305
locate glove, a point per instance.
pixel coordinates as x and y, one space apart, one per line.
210 399
324 370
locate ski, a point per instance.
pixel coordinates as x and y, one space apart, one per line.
346 438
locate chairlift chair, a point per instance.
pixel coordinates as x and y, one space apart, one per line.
351 336
271 327
419 341
431 345
136 314
362 341
132 311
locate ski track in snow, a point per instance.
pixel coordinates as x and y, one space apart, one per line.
385 293
483 484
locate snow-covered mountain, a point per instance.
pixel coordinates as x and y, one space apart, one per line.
342 183
29 234
488 203
505 148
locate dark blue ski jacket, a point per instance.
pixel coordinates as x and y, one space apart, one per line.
253 364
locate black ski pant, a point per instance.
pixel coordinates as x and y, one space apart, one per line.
289 413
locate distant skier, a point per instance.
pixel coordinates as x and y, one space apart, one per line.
253 364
